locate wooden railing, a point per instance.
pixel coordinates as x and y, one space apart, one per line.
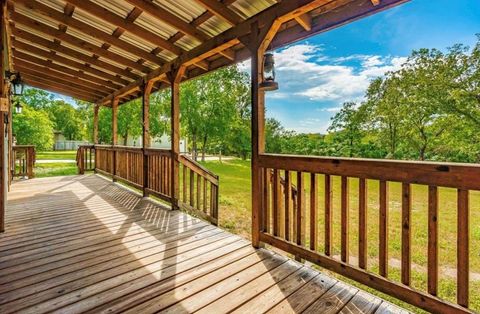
23 161
150 170
293 224
199 190
85 158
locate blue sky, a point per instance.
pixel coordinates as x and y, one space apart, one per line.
317 75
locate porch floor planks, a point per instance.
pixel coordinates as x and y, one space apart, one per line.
83 244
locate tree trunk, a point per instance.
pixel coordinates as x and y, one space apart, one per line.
125 139
204 147
194 146
220 156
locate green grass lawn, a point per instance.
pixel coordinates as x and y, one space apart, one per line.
57 155
235 216
55 168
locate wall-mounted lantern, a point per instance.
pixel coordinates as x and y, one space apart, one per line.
268 73
18 108
16 81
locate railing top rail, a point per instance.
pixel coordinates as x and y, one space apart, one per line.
454 175
23 146
195 166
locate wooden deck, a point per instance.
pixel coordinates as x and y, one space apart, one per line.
83 244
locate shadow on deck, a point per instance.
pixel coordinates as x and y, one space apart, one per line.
84 244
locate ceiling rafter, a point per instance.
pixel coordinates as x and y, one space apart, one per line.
66 61
305 20
107 85
48 68
125 24
80 43
221 10
91 31
150 8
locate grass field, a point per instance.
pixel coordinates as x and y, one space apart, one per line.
235 215
57 155
52 169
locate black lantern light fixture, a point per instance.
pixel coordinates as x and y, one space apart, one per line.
18 107
268 74
16 81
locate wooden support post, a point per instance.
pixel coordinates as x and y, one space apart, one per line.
257 43
114 136
95 124
175 76
3 95
147 88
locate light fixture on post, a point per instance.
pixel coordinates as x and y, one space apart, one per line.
16 81
18 107
268 73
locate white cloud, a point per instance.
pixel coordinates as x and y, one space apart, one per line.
300 73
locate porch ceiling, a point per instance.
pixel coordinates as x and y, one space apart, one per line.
95 50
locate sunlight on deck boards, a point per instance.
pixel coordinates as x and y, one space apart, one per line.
84 244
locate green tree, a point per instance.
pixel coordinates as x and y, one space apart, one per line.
33 127
67 120
347 125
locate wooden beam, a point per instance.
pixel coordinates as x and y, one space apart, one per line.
202 64
47 80
375 2
58 90
54 15
102 84
222 11
130 27
150 8
228 53
95 123
305 20
75 54
48 70
175 76
114 105
4 97
72 40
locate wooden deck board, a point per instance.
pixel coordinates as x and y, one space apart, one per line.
83 244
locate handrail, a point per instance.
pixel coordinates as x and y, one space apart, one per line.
85 158
23 161
150 170
200 195
294 229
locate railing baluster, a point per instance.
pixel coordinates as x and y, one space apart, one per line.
266 200
184 183
287 193
462 247
328 215
406 233
362 223
192 188
300 219
344 219
199 189
313 212
205 182
383 230
432 240
276 202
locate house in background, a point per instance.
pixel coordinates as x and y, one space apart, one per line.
61 143
156 142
